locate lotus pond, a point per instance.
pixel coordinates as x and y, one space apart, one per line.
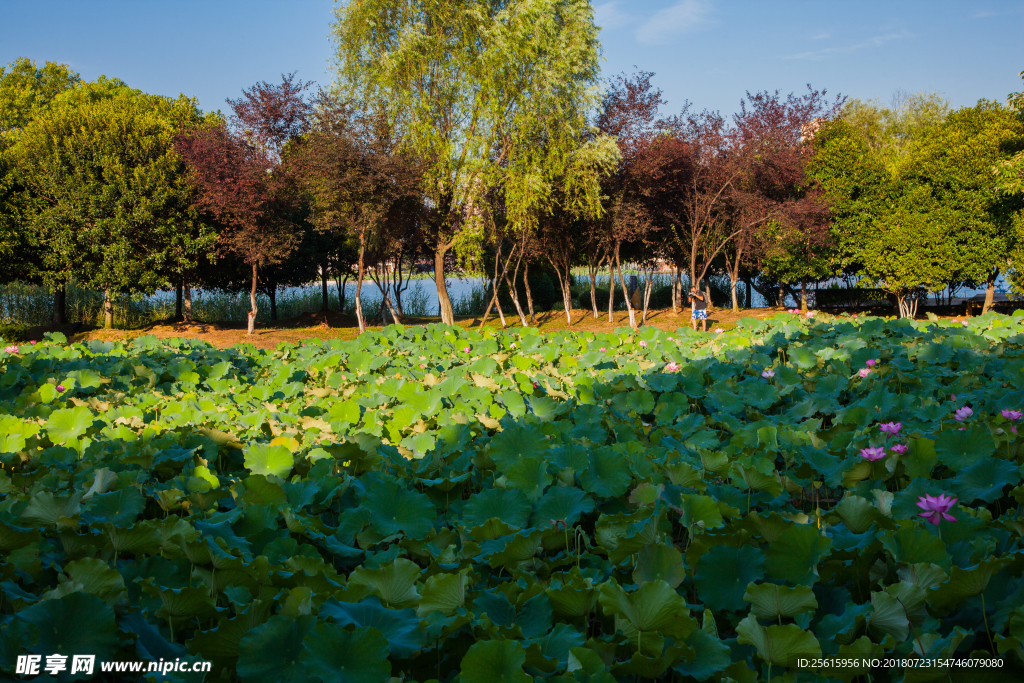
431 503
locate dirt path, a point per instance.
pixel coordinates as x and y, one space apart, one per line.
336 326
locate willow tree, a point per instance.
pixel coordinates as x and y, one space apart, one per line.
491 94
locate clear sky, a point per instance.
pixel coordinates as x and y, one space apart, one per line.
707 51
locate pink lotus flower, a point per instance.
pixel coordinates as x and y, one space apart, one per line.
891 428
643 344
900 448
1012 414
962 414
864 372
870 362
465 349
11 349
536 386
32 342
872 454
671 339
601 349
719 330
810 314
768 373
964 323
936 508
854 316
60 387
672 366
422 366
952 397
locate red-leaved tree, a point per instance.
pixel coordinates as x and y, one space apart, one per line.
239 167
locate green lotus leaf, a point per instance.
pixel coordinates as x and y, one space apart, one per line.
723 573
963 584
794 556
66 424
529 475
515 442
653 608
269 460
444 593
336 655
508 505
77 624
401 628
118 507
44 509
607 474
700 511
710 656
98 578
920 459
770 601
185 603
958 450
660 563
778 645
273 652
922 575
858 514
652 666
512 549
220 644
15 538
221 438
394 508
913 545
394 583
574 598
556 645
985 480
888 617
14 432
563 504
494 660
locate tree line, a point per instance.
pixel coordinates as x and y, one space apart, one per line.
483 139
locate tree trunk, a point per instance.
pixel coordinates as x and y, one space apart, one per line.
707 294
513 293
342 284
990 291
444 302
186 300
529 294
782 297
252 304
592 269
625 293
60 306
611 289
563 284
272 295
359 283
179 297
733 284
326 305
108 310
803 294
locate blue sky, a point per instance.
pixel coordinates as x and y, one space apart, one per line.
707 51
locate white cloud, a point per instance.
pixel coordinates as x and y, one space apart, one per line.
873 41
666 24
608 15
821 36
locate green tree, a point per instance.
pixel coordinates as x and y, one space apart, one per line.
493 95
915 204
111 208
26 90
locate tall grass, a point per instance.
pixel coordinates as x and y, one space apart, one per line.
32 305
